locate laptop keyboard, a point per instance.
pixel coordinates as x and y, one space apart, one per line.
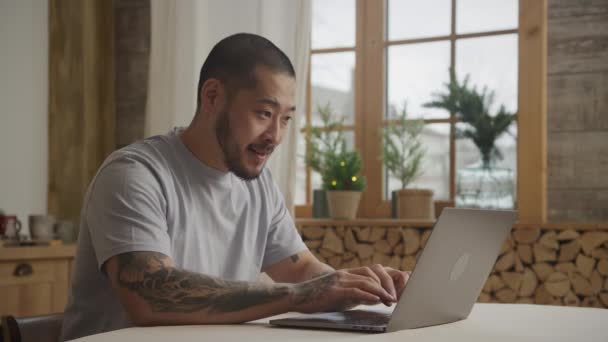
359 317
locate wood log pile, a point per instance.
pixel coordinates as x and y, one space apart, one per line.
541 266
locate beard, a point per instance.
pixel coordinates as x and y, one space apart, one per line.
233 156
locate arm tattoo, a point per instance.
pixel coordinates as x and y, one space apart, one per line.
295 258
169 289
312 290
320 274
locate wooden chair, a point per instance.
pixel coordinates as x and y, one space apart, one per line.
45 328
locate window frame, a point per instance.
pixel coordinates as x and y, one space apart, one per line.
370 49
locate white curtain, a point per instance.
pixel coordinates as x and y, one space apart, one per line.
182 34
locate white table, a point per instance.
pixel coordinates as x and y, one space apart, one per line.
487 322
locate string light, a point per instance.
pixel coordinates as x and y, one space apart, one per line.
354 178
342 163
333 182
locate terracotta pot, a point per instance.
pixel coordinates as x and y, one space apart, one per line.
343 204
416 204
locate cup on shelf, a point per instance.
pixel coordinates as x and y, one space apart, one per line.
10 226
42 227
66 231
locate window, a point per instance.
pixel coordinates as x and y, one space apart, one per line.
331 79
368 58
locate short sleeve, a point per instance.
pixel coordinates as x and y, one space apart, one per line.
283 239
125 211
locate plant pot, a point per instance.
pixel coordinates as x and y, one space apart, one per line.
319 204
343 204
395 203
416 204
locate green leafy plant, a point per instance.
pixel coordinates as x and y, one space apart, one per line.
323 142
472 107
342 172
402 151
326 153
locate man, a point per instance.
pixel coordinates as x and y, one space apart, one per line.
177 228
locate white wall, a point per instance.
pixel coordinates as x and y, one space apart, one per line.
23 106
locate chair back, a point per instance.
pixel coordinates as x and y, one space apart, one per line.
46 328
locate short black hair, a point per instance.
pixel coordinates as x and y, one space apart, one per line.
233 61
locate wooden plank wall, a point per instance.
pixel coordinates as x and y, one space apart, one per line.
81 99
132 56
577 183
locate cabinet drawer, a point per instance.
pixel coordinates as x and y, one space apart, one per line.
27 272
33 287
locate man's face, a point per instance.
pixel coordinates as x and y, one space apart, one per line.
254 122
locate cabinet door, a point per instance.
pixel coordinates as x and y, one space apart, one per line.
29 288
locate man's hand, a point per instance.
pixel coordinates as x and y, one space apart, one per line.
392 280
345 289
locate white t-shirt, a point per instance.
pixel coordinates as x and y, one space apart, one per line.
155 195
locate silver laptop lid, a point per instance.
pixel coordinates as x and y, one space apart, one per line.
453 267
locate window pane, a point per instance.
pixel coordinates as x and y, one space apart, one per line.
492 62
486 15
333 23
300 197
436 164
418 19
333 81
415 71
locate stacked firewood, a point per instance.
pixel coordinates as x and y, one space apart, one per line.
557 267
542 266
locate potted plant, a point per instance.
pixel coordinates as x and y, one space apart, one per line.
483 185
343 183
322 143
402 154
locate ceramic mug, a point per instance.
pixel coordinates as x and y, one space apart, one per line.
10 226
42 227
66 231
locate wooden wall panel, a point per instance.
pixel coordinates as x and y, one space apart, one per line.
577 188
132 56
578 36
578 102
578 205
81 99
578 160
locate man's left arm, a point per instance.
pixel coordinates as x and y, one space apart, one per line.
297 268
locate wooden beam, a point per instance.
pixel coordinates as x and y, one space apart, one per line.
370 100
303 211
532 112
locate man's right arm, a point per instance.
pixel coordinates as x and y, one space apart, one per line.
155 292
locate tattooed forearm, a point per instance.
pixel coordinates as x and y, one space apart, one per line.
312 290
320 274
169 289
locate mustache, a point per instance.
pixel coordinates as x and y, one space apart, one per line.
263 148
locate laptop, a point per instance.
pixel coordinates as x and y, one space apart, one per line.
445 283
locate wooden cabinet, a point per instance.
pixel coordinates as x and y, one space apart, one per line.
34 280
